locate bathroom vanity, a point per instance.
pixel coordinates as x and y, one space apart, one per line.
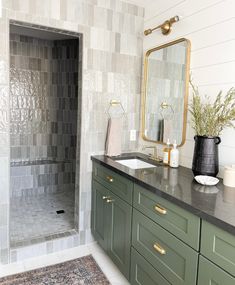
160 227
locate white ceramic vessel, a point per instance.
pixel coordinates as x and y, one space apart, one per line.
206 180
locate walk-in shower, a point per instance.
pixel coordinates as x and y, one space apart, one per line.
44 130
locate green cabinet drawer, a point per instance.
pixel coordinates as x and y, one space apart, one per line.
210 274
176 220
142 273
176 261
118 184
218 246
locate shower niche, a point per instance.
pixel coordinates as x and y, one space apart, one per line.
44 130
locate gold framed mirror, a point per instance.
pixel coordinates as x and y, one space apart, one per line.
165 92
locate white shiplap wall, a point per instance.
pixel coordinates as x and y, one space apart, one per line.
210 26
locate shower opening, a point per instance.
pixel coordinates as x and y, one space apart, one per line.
44 131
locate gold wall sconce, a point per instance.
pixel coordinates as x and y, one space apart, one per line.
165 27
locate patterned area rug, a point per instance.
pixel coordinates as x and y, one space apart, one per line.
81 271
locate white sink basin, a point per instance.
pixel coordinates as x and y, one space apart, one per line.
135 163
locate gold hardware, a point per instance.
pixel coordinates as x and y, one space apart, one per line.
164 105
154 150
145 88
109 178
160 209
165 27
154 157
159 249
114 103
109 200
105 197
148 32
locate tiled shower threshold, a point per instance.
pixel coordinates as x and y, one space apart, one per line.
19 244
43 246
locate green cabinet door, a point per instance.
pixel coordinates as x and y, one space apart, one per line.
119 233
99 213
111 225
210 274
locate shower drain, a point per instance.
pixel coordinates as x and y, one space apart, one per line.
60 212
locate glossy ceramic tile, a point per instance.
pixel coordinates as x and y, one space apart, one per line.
32 178
43 98
115 80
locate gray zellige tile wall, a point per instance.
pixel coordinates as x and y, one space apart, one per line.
43 101
112 32
41 177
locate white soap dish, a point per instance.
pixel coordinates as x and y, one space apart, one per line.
206 180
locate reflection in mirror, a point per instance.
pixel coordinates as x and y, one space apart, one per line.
165 92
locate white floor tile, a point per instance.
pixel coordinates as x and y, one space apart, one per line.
107 266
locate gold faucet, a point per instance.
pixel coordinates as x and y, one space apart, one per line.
153 156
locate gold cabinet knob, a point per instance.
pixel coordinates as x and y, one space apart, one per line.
105 197
109 200
160 209
159 249
109 178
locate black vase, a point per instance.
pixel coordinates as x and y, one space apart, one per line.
205 157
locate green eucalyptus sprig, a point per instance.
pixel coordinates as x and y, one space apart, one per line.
209 119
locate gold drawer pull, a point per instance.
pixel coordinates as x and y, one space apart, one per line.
109 200
160 209
109 178
159 249
105 197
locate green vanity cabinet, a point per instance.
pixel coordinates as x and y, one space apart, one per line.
111 225
210 274
153 241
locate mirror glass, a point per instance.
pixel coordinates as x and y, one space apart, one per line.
165 92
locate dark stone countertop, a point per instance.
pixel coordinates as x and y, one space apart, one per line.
178 186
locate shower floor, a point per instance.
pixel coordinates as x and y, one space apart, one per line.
36 217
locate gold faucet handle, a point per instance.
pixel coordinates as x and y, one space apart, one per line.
154 150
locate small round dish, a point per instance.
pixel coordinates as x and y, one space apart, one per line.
206 180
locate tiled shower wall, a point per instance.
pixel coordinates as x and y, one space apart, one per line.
41 177
112 59
43 114
43 98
